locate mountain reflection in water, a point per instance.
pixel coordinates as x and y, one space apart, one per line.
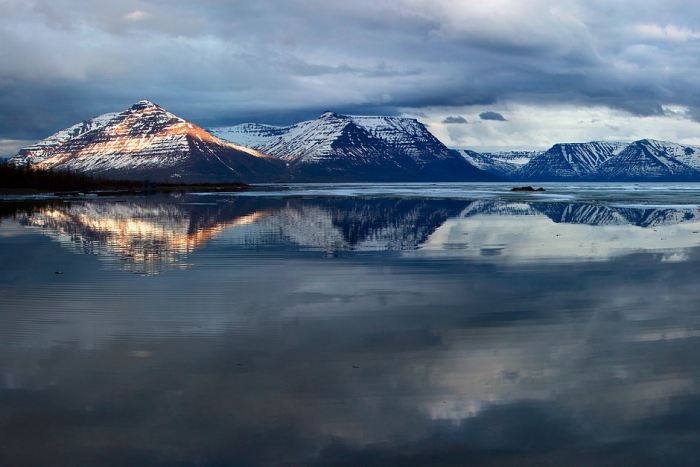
349 331
152 235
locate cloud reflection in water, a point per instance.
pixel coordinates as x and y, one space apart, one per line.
409 347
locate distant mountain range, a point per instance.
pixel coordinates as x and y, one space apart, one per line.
643 160
148 142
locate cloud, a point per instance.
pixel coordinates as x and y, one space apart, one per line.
137 15
458 119
666 33
495 116
9 147
280 62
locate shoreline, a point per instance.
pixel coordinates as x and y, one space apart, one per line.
126 190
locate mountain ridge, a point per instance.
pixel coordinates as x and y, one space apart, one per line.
642 160
147 141
376 148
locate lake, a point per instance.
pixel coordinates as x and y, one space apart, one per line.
351 324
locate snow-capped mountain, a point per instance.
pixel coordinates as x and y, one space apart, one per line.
569 161
146 141
652 160
337 147
248 134
43 149
499 163
644 160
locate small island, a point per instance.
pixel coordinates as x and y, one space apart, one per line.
526 188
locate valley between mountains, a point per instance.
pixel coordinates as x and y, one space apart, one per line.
148 142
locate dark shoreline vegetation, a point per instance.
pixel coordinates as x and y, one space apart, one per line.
16 179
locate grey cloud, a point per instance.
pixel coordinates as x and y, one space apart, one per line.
458 119
228 62
495 116
9 147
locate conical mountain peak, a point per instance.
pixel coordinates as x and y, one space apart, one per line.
147 141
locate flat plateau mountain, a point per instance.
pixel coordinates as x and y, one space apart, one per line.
148 142
643 160
338 147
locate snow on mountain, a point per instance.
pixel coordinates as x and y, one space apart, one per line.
337 147
315 140
407 135
41 150
518 158
597 160
502 164
146 141
248 134
651 160
688 155
569 161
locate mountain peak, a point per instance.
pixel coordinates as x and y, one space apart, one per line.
147 141
329 114
143 104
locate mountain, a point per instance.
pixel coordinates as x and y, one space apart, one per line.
338 147
43 149
146 141
654 161
249 134
503 164
643 160
569 161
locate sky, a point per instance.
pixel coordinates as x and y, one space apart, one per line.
497 74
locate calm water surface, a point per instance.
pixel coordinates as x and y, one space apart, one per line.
374 325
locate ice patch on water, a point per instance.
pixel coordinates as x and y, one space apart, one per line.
633 194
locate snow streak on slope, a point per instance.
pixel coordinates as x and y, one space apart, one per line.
644 160
311 140
337 147
248 134
649 160
503 164
688 155
569 161
41 150
407 135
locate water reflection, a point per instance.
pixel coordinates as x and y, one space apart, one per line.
153 235
406 349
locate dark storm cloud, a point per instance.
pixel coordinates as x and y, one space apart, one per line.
495 116
458 119
227 62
